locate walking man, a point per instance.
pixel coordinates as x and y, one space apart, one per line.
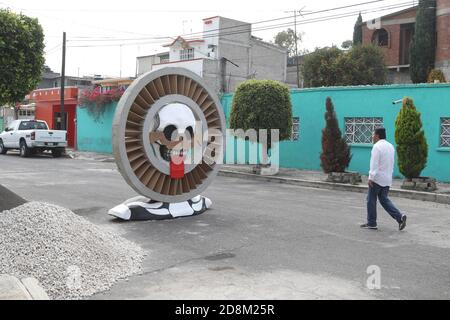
380 181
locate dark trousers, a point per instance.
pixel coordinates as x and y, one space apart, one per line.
381 193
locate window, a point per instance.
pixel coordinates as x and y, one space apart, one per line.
295 129
164 59
445 133
360 130
380 38
26 113
32 125
187 54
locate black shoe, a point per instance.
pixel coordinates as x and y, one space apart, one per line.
366 226
402 224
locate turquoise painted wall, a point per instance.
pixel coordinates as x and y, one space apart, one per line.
95 136
433 101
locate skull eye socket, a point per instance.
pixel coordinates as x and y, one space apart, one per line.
168 132
191 132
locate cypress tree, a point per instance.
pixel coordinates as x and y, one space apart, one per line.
423 46
357 32
335 155
412 147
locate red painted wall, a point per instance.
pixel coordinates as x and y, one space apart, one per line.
47 103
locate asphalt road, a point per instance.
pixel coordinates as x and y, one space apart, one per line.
260 240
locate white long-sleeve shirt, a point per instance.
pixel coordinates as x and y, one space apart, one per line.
382 163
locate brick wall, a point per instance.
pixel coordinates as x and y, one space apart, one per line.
392 51
443 31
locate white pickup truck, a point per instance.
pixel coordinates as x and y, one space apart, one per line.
31 137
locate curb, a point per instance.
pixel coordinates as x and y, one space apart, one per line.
12 288
407 194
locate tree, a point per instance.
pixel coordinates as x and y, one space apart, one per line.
412 147
347 44
21 56
262 104
423 46
335 156
362 65
357 32
286 39
319 67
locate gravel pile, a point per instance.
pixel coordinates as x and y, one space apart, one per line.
71 257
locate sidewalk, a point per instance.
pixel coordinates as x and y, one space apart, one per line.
317 179
304 178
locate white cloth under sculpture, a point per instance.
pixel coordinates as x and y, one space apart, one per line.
141 208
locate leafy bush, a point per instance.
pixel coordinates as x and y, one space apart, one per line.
335 155
361 65
96 101
319 68
412 147
262 104
436 74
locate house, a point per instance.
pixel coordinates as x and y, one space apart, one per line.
224 56
394 33
113 83
52 79
48 108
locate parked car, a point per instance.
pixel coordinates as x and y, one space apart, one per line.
31 137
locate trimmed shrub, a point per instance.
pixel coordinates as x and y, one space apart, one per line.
335 155
436 74
412 147
262 104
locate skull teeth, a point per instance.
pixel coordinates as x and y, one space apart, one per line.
168 154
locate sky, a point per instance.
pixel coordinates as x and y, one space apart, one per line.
105 37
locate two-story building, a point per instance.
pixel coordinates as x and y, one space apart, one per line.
224 56
394 33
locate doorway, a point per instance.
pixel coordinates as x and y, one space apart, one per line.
60 119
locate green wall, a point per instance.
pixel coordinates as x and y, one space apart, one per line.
433 101
94 135
1 124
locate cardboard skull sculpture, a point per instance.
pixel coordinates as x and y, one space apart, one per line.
168 140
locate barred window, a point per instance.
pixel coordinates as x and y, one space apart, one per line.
360 130
295 136
187 54
445 132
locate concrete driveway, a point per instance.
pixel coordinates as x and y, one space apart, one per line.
260 240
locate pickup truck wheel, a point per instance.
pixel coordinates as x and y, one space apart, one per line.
24 150
57 153
3 150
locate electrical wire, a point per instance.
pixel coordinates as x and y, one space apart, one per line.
261 28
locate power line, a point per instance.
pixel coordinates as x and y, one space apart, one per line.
254 23
262 28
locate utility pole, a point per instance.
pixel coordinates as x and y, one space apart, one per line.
296 49
63 80
296 45
120 76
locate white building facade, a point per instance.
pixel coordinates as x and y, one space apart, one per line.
226 55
